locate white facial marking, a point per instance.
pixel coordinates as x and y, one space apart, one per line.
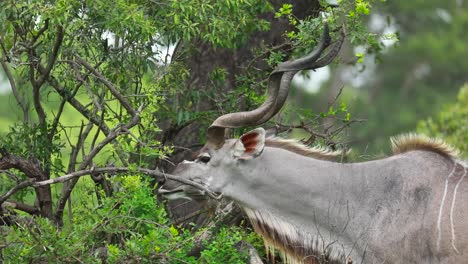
178 195
208 181
205 155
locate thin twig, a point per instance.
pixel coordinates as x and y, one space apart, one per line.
154 173
79 106
23 105
18 187
115 92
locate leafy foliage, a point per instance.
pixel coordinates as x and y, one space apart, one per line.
131 226
206 20
91 83
350 14
417 77
450 124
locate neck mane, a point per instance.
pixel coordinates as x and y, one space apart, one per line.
407 142
295 246
400 144
294 146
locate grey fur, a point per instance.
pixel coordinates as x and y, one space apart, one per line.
407 208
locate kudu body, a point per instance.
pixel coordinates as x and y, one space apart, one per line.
407 208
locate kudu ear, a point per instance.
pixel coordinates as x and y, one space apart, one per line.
250 145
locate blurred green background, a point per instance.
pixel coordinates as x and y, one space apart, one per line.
413 79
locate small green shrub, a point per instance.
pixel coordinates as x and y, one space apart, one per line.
131 226
451 123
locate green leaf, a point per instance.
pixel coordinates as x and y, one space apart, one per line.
173 231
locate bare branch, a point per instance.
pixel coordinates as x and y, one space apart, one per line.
80 79
82 135
22 207
29 167
116 170
335 99
79 107
15 189
303 126
52 57
109 85
40 32
120 129
55 123
113 134
14 88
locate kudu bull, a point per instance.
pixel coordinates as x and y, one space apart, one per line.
411 207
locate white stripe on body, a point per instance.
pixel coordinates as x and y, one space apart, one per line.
451 210
439 219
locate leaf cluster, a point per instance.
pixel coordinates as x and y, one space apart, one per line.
450 124
131 226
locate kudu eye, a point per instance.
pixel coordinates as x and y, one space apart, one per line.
205 158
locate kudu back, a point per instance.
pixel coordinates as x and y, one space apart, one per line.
408 208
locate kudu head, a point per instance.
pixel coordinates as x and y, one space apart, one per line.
219 159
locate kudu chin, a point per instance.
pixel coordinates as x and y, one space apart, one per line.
408 208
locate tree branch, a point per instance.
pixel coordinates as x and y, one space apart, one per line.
18 187
41 115
35 64
14 88
82 135
112 170
113 134
120 129
55 123
109 85
79 107
30 168
116 170
40 32
52 57
22 207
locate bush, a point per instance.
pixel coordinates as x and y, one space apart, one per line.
451 123
130 227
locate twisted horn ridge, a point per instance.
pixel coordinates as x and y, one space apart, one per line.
278 88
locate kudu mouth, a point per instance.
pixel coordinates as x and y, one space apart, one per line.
183 193
177 193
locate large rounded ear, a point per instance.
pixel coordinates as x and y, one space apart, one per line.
250 145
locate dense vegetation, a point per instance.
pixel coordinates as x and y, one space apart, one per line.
98 108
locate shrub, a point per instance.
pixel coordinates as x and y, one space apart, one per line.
129 227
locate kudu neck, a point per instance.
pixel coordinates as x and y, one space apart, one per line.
292 184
